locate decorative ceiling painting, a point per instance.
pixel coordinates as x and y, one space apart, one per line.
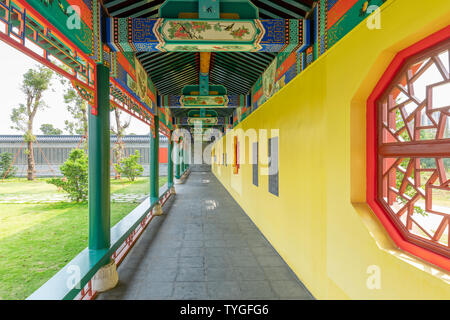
147 35
253 49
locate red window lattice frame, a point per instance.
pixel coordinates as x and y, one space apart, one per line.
378 150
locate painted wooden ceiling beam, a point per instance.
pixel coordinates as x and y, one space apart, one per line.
188 35
203 101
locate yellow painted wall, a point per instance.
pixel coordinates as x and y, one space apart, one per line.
320 224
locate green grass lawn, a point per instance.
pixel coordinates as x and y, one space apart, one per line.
36 240
17 186
141 185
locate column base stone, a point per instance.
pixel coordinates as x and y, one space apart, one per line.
157 210
106 278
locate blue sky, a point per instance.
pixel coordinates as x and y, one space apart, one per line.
13 64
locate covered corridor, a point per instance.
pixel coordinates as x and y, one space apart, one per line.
204 247
327 124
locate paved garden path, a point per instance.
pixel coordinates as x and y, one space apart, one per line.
204 247
58 197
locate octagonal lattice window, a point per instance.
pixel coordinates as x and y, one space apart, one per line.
413 149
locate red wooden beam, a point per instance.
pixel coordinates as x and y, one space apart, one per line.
421 149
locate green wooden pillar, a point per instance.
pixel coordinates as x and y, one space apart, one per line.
170 162
154 164
99 166
177 161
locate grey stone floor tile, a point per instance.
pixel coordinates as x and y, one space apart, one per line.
212 236
167 244
243 261
239 243
221 274
163 252
215 243
171 235
191 274
192 252
234 236
128 275
204 247
256 289
241 251
122 291
270 261
193 243
250 273
279 273
216 261
190 291
290 289
160 274
263 251
156 290
218 252
162 262
193 236
257 242
224 290
193 227
191 262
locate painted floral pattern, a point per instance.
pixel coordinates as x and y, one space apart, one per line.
239 33
203 100
209 48
208 30
188 30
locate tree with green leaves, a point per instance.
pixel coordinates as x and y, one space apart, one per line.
130 167
119 131
35 83
75 180
49 129
7 169
78 108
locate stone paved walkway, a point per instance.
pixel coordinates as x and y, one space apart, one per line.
61 197
204 247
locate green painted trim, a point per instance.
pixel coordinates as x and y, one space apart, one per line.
354 16
245 9
154 163
170 162
209 9
204 84
59 15
99 166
